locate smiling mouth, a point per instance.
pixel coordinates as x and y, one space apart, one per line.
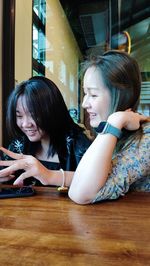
30 132
92 115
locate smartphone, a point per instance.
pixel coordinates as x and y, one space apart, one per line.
15 192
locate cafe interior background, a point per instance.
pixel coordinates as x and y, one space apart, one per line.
52 37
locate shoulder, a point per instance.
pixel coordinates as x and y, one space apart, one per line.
79 139
83 137
144 135
137 145
138 137
146 127
144 142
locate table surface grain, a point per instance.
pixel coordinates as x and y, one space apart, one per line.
48 229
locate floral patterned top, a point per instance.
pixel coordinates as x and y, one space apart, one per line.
130 168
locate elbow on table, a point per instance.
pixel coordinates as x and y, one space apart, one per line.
78 197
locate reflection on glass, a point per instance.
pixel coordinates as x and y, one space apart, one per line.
39 7
65 32
38 39
62 72
35 42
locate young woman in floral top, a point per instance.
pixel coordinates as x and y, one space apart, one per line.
118 159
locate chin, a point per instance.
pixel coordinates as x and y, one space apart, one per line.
94 124
34 139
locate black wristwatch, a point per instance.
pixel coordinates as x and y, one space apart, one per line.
105 127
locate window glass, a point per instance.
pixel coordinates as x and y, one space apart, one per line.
38 37
39 7
131 32
65 31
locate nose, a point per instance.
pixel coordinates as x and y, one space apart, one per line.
27 121
85 103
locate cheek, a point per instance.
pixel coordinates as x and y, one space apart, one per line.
99 105
102 107
18 122
41 133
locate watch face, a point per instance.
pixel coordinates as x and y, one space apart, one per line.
100 127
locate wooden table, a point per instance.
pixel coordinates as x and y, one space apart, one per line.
48 229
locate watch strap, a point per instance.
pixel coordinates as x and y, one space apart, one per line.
105 127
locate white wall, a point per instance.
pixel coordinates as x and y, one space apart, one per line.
23 40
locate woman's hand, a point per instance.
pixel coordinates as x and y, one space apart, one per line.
28 163
126 119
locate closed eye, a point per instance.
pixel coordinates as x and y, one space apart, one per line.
19 116
94 95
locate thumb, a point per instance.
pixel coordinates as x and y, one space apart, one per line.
20 179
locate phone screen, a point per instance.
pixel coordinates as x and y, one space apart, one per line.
15 192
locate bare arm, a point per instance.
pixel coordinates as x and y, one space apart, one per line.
31 167
93 169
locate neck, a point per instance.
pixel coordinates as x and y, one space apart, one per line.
45 145
42 154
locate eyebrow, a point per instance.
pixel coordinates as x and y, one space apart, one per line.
93 88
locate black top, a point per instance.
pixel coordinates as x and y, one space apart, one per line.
76 145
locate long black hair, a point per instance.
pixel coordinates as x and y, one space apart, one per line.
47 108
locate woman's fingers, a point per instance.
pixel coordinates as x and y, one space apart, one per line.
6 178
28 163
13 166
20 179
7 171
143 117
12 154
7 163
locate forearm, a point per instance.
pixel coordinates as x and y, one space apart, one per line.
92 171
55 178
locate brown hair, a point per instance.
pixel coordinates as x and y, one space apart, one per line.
121 75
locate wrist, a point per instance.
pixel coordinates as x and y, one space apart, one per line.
117 119
53 178
62 188
107 128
